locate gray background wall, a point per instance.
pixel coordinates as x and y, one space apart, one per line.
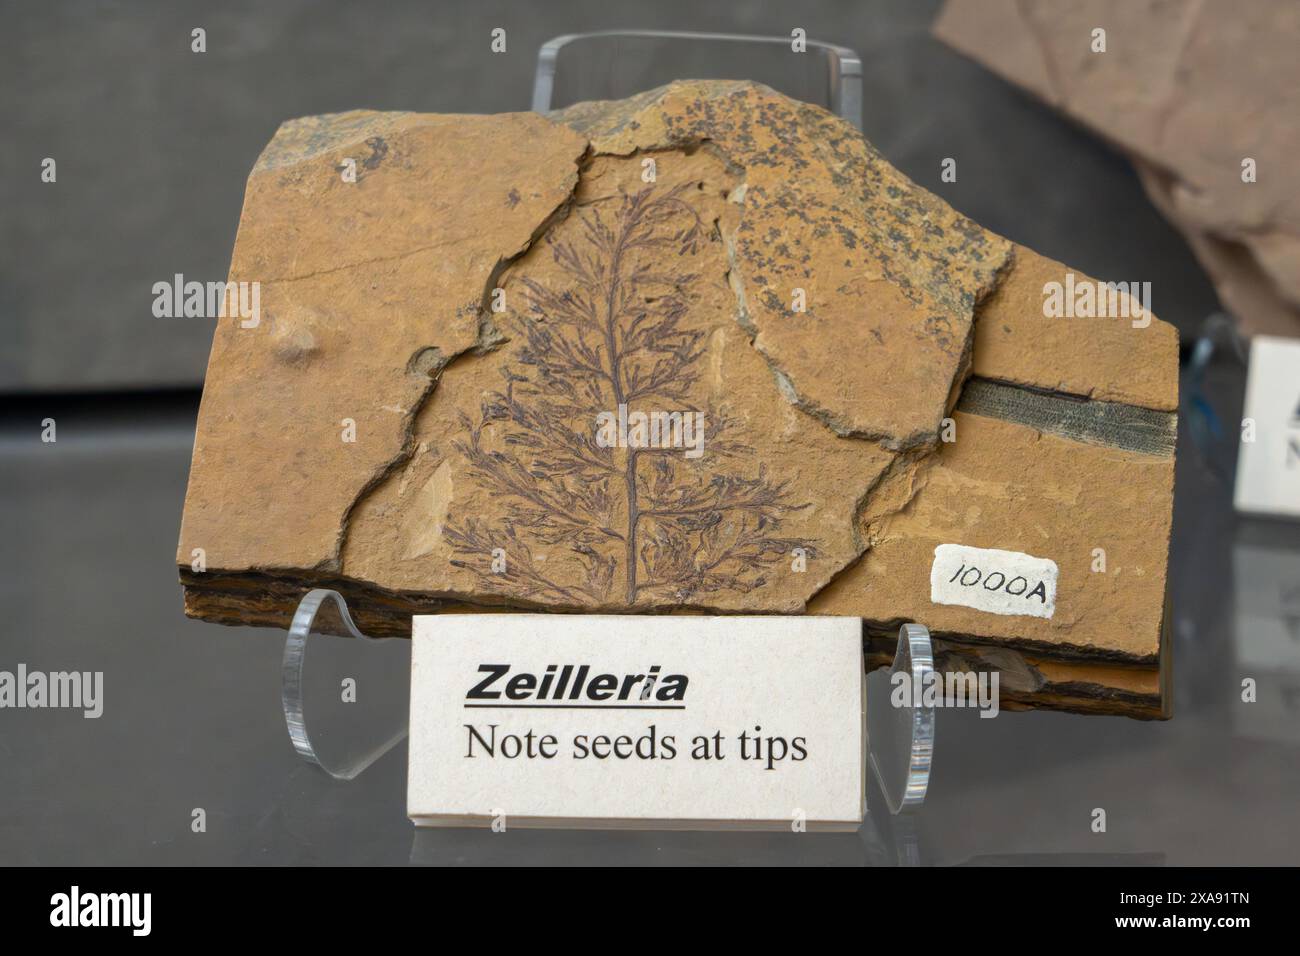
153 144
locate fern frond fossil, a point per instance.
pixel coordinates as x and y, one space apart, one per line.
615 336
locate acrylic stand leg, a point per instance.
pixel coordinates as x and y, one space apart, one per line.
901 738
349 705
1213 436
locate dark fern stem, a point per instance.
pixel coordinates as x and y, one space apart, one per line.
614 337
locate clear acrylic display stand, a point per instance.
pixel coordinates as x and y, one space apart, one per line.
350 705
347 702
901 739
1213 435
841 67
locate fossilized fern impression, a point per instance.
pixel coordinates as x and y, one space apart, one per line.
644 521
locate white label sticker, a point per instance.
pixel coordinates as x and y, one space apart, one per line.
631 721
1268 468
999 582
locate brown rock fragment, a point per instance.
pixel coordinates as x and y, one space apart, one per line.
1192 92
1106 358
1003 485
367 289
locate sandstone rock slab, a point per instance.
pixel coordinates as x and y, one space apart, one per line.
694 351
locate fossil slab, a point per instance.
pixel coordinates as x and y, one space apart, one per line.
691 351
